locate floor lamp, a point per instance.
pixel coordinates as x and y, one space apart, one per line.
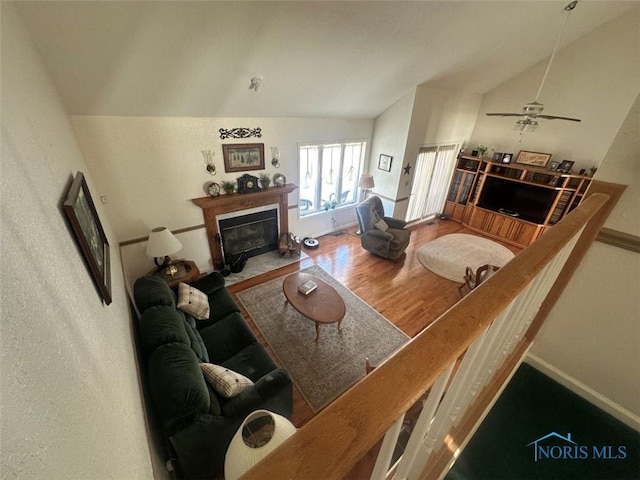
366 183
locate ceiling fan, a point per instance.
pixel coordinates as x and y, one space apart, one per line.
532 111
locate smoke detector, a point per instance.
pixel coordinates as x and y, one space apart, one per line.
256 83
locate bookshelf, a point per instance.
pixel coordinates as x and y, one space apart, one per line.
512 202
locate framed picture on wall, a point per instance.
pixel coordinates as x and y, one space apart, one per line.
533 158
243 157
87 229
384 162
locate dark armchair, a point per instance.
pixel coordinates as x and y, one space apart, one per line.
382 236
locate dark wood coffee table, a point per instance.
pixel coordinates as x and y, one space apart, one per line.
323 305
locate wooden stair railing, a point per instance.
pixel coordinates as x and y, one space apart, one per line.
478 330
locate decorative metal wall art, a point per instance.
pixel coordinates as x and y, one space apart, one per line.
240 132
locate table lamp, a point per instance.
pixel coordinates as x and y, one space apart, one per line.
260 434
161 244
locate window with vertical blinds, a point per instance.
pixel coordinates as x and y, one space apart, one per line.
434 167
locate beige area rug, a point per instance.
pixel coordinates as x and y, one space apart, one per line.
323 370
449 255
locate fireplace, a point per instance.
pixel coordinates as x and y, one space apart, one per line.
252 233
220 206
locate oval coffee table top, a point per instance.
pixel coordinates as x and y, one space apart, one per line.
323 305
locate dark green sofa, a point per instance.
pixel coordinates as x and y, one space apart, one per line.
197 422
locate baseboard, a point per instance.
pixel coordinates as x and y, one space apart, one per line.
589 394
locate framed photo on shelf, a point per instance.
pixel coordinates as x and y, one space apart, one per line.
565 166
89 235
535 159
384 162
507 157
243 157
554 165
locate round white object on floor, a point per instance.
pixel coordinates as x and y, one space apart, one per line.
449 255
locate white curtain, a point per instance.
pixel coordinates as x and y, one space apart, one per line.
434 166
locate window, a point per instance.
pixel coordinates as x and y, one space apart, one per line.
329 175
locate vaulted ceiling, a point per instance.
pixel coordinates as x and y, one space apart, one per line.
317 59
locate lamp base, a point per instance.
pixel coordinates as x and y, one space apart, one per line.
167 268
171 270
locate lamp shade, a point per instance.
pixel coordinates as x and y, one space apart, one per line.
366 181
260 434
162 243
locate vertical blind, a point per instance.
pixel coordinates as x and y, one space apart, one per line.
433 171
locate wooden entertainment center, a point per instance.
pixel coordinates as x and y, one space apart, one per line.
514 203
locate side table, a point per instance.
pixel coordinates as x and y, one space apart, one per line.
187 272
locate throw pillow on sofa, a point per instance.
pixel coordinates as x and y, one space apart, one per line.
193 301
224 381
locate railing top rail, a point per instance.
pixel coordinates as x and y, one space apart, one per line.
330 444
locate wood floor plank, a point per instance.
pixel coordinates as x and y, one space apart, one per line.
406 293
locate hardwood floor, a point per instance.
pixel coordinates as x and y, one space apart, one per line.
405 292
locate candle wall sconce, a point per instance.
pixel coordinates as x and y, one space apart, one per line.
208 159
275 157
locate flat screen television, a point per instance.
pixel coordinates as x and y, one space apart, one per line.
520 200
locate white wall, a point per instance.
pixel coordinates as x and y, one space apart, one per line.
149 169
594 79
424 116
439 116
71 405
593 334
390 134
445 115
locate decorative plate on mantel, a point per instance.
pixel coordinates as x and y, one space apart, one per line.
279 180
213 189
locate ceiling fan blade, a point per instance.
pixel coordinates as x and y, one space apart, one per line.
555 117
505 115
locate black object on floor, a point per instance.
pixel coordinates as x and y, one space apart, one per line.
540 430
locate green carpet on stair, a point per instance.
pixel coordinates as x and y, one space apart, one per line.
584 443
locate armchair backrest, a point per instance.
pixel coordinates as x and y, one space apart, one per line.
368 212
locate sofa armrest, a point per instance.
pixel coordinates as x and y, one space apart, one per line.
376 234
254 398
395 223
209 284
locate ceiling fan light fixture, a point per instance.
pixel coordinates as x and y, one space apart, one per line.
533 108
527 125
